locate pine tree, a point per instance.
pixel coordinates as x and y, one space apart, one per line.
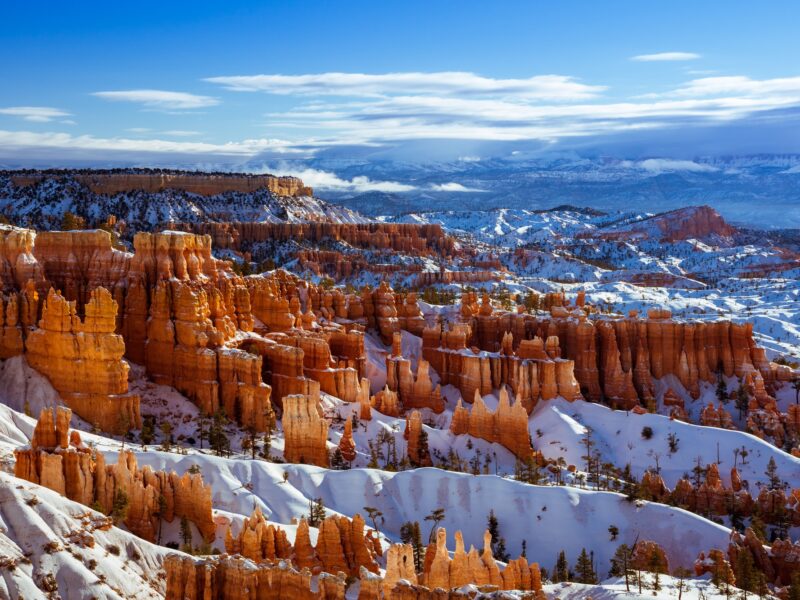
620 564
316 512
722 389
217 437
436 516
745 579
794 587
119 506
561 570
772 475
186 533
410 534
584 570
742 401
498 541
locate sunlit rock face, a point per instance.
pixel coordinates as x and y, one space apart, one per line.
59 460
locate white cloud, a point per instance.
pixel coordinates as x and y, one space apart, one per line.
452 187
325 180
160 99
666 56
15 140
661 165
36 114
740 85
180 132
543 87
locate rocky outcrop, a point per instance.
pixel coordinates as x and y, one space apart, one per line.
507 426
534 371
305 430
615 359
83 360
780 563
417 445
414 391
342 544
712 416
235 578
347 446
443 572
140 497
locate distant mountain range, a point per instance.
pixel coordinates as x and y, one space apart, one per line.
755 191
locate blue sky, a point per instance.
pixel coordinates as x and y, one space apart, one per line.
162 82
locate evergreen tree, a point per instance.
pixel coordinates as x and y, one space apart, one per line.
316 512
772 475
584 569
119 506
742 401
794 587
186 534
147 433
744 566
561 570
722 389
217 437
410 534
374 514
436 516
498 541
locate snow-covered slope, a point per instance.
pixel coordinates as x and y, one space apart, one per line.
51 547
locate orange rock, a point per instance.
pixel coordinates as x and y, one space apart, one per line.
83 360
347 445
305 430
418 452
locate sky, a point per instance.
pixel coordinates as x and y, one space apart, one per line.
214 82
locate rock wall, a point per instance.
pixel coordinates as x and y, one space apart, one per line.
399 237
534 371
615 359
57 459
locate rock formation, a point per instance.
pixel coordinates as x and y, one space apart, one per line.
418 452
414 391
507 426
63 463
83 360
305 430
342 544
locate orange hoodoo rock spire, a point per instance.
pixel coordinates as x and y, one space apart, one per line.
508 425
305 429
83 360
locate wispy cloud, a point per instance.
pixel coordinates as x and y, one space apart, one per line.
12 140
448 83
453 187
160 99
325 180
741 86
665 57
36 114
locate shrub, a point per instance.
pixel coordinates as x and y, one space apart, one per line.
647 432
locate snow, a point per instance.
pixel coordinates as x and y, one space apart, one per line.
38 533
